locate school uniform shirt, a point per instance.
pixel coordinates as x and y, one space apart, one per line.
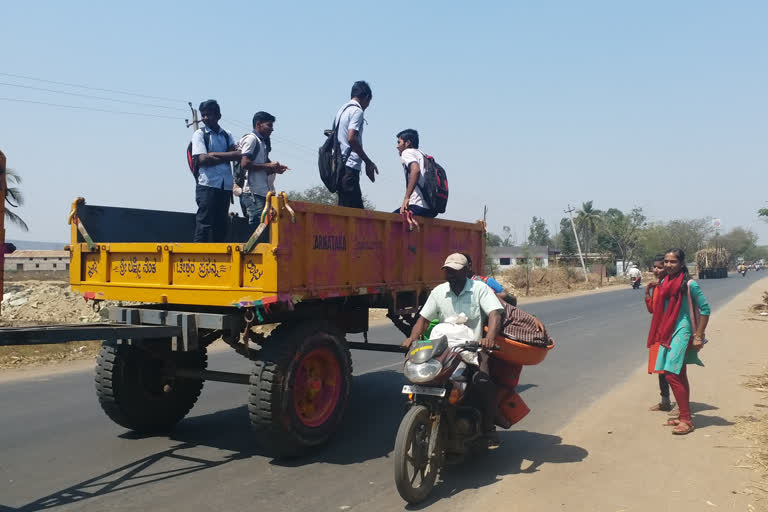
258 182
219 175
350 119
407 157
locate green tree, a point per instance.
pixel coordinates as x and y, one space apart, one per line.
14 199
763 212
319 194
492 240
620 232
565 241
739 242
507 240
538 233
587 223
687 234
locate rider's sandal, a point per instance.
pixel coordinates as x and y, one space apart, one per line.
662 406
493 439
683 428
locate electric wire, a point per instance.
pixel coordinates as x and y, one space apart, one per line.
94 109
115 91
82 95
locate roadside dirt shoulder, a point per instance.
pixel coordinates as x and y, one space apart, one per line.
636 464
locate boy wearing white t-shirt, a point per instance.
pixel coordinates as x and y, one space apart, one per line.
413 164
255 147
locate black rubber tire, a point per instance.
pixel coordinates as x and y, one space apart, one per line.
270 398
417 417
130 382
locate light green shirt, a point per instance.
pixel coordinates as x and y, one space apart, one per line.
476 300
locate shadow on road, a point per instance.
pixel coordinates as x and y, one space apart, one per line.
368 432
521 452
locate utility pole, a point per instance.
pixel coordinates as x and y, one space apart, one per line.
3 185
195 120
570 211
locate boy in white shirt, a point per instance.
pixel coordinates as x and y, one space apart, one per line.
413 164
255 147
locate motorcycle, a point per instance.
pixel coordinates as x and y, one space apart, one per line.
444 420
743 272
635 283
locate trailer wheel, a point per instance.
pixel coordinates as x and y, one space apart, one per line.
299 388
136 392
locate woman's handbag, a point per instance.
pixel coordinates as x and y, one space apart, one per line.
694 314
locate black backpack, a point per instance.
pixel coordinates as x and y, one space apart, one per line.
194 160
330 161
435 189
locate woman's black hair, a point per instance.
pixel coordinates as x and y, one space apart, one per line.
680 255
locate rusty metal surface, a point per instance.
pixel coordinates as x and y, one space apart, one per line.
50 334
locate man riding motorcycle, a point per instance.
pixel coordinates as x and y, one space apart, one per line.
478 303
635 275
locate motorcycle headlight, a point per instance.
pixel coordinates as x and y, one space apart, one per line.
422 372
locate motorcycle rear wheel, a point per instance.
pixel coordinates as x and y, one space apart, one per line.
413 463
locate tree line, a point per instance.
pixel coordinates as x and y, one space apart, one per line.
629 236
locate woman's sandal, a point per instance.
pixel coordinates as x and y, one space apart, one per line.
672 422
683 428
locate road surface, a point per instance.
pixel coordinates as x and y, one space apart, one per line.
59 451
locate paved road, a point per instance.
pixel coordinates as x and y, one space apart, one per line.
58 451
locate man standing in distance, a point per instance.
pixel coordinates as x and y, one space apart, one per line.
350 122
214 149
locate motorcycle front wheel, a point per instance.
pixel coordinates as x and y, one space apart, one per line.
415 467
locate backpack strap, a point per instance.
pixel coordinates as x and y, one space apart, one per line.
207 140
336 124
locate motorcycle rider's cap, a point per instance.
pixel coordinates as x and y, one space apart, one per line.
456 261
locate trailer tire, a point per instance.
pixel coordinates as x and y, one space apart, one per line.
131 386
299 388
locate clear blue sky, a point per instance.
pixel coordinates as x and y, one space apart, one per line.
530 106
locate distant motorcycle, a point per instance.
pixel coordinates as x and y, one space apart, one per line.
743 272
636 283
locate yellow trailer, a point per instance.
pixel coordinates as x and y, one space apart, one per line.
316 271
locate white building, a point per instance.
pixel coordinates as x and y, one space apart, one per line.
506 257
36 260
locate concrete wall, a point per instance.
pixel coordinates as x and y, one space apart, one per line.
35 264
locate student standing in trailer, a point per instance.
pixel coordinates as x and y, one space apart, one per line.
214 149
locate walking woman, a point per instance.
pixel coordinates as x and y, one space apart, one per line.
673 329
653 350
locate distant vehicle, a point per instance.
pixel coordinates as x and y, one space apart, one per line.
712 263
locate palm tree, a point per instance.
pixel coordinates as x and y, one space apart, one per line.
14 198
587 220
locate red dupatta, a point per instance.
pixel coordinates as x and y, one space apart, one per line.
664 320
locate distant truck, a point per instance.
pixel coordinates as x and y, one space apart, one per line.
712 263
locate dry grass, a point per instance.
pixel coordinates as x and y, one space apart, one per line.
754 428
38 355
552 281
